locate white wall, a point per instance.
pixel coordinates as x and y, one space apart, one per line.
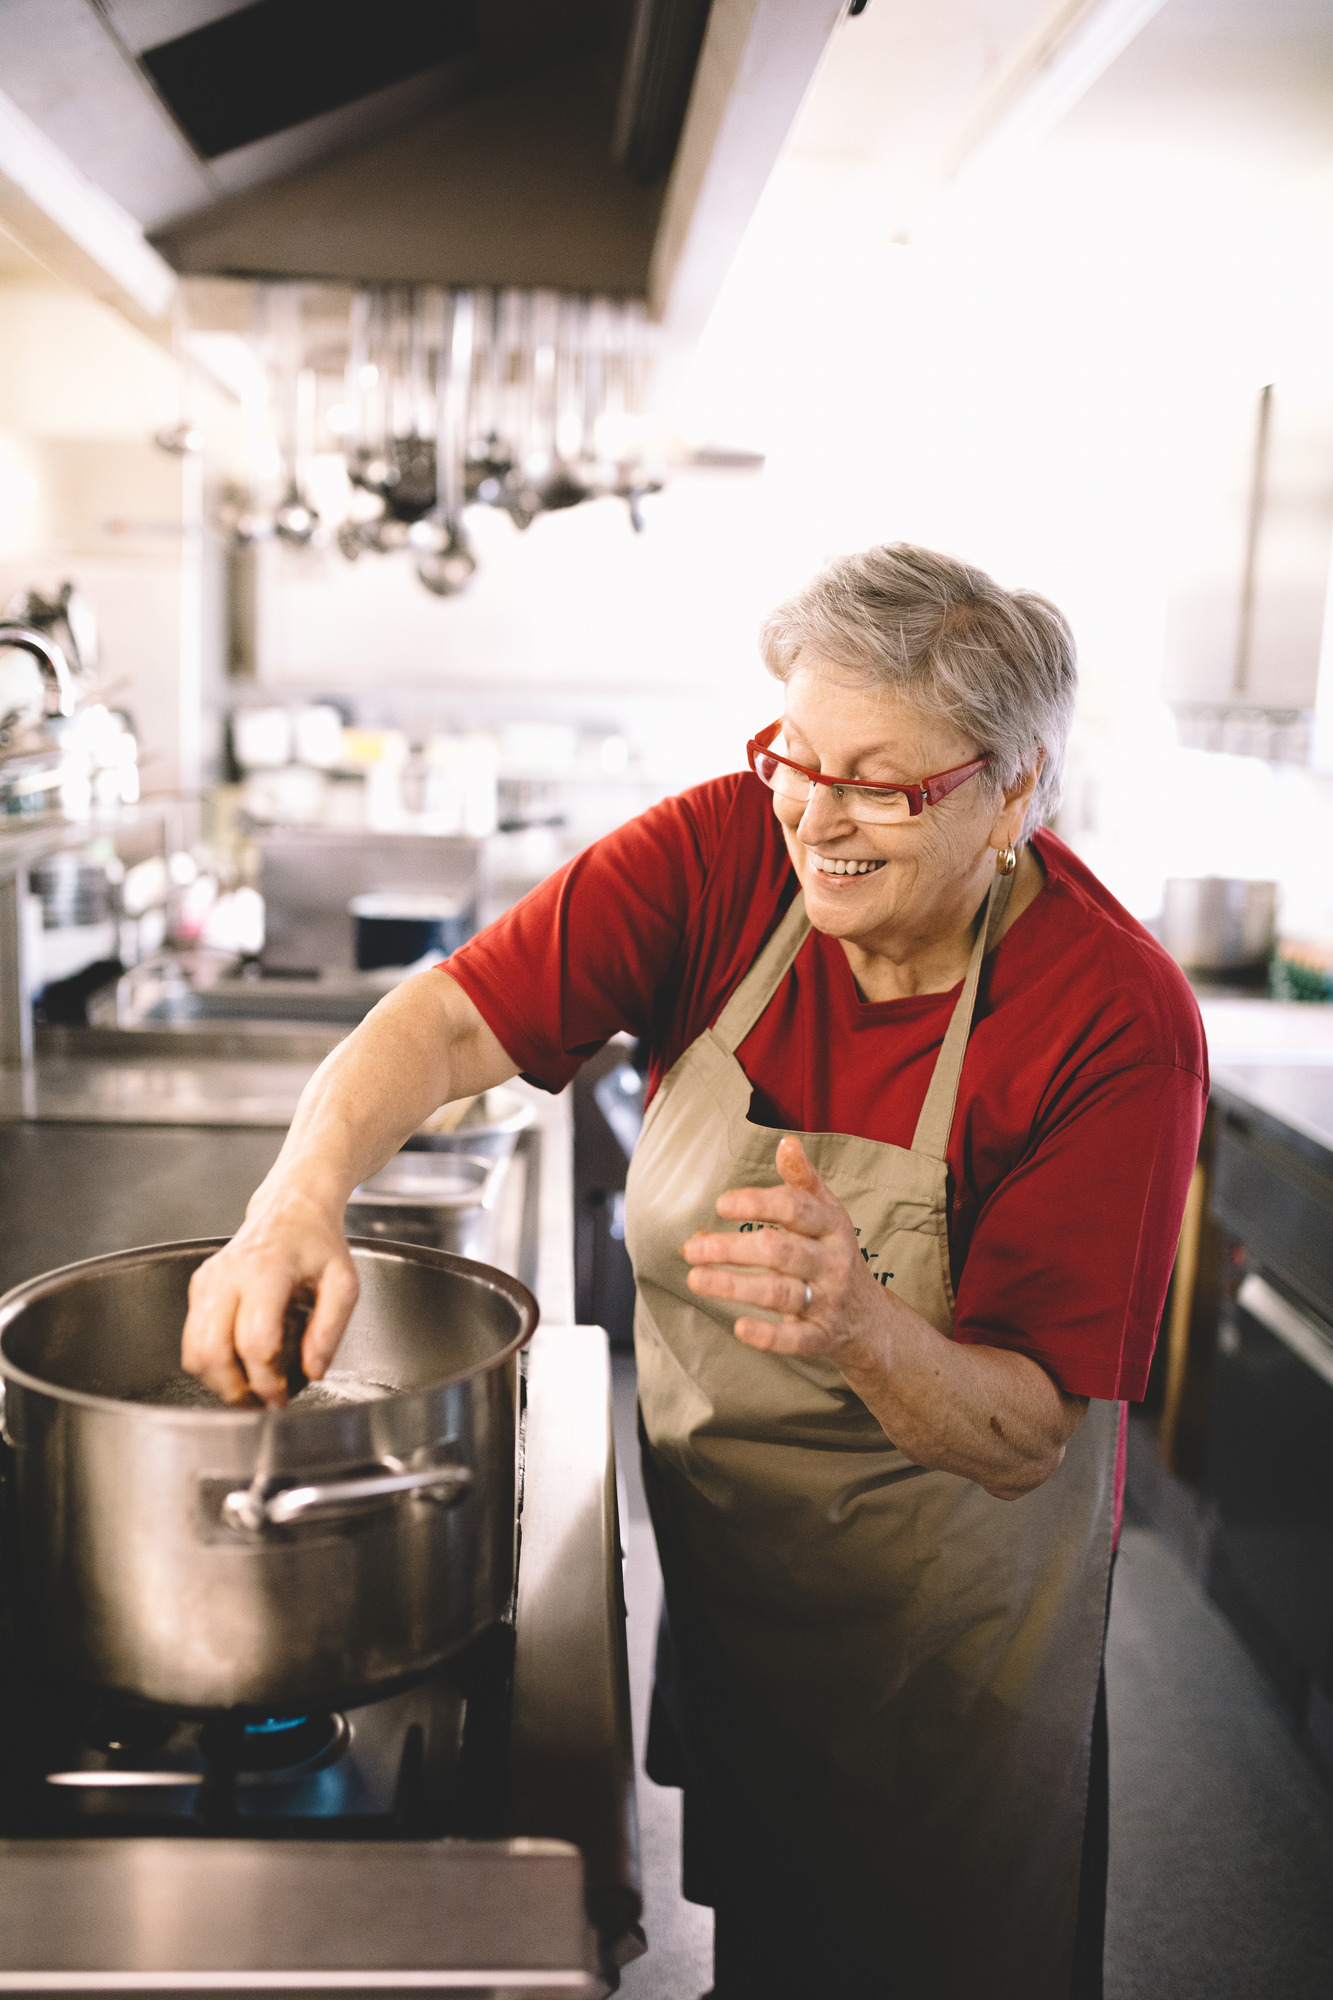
579 616
1032 382
85 494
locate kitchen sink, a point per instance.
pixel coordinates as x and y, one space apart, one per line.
199 990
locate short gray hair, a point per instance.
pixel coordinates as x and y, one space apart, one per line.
1000 664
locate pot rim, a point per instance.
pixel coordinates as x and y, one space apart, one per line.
19 1297
519 1118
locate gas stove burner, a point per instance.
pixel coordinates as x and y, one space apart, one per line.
125 1730
275 1746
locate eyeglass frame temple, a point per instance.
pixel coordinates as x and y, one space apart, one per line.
928 793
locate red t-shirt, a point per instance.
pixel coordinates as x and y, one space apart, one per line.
1082 1094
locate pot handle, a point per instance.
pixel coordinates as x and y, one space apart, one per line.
329 1500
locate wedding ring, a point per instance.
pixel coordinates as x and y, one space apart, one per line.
809 1298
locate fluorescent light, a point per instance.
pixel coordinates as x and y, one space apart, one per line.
1060 61
54 208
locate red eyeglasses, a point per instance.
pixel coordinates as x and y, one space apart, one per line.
877 805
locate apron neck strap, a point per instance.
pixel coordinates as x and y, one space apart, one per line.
761 982
936 1120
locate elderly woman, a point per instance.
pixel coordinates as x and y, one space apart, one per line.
924 1106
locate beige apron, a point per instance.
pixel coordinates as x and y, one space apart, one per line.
888 1676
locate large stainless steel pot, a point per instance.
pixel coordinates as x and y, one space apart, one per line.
208 1557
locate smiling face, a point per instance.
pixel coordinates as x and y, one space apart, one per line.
904 890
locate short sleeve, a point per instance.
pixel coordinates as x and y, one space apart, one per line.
1072 1253
586 954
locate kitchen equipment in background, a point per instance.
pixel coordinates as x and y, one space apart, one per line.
22 693
488 1126
72 891
308 878
68 619
80 909
445 1200
401 929
295 520
1241 729
54 753
29 700
1269 1477
445 561
261 738
196 990
1270 1485
317 735
1246 612
387 1543
1215 924
522 400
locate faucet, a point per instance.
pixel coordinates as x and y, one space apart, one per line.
48 656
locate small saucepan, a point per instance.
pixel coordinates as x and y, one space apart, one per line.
444 1200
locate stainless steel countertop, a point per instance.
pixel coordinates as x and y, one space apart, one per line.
105 1151
154 1090
1248 1028
1299 1094
313 1917
1277 1056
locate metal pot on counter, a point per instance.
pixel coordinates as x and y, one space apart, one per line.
1217 924
488 1126
179 1551
446 1200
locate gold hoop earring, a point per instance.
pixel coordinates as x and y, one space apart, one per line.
1006 860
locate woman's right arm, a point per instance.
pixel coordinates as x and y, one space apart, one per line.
424 1045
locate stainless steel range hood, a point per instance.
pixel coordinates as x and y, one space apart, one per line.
610 146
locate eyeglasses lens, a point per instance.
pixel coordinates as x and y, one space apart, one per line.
871 808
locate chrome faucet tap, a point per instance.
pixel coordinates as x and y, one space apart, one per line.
49 657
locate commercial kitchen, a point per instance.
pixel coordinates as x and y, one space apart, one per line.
409 415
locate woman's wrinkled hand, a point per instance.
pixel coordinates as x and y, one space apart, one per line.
292 1247
812 1244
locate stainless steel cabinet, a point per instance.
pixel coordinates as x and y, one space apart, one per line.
1269 1477
1248 597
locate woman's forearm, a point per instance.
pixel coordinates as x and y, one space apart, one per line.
424 1045
987 1414
984 1412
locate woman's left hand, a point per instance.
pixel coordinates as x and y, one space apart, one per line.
987 1413
806 1265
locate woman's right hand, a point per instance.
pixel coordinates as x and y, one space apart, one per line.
291 1245
423 1045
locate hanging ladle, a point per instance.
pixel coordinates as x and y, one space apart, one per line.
447 567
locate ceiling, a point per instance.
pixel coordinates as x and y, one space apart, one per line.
18 263
1184 204
456 140
528 141
1248 80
